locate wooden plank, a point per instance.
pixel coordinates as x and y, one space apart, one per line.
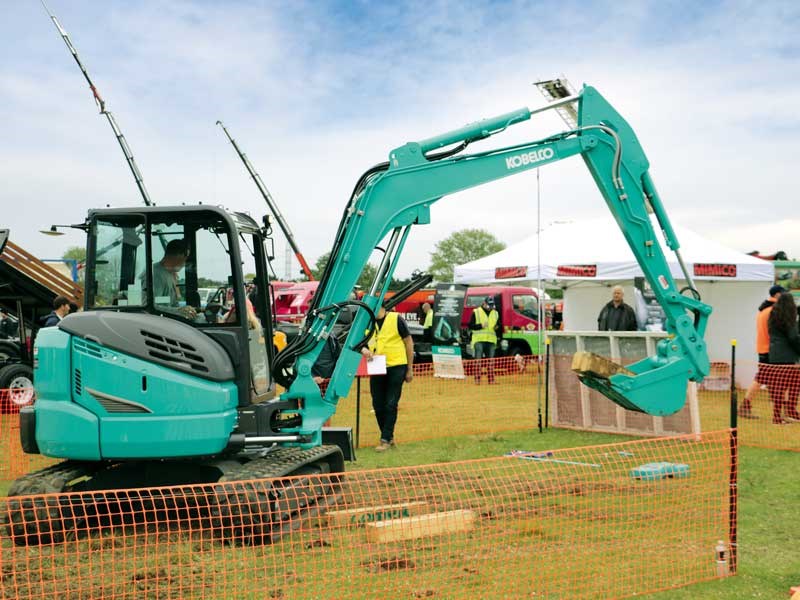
600 366
356 517
410 528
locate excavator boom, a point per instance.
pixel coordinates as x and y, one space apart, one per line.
392 197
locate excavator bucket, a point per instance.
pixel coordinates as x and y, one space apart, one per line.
651 386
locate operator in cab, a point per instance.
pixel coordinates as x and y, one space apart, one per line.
166 292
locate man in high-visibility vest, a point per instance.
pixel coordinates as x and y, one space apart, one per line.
485 326
392 340
427 323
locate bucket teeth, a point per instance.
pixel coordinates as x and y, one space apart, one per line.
588 363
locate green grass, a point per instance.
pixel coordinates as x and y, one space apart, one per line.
768 529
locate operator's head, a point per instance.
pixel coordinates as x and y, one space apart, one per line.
775 291
175 255
488 302
425 307
617 294
61 306
381 313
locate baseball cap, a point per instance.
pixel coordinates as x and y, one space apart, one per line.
776 289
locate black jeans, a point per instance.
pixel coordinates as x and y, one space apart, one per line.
484 350
386 390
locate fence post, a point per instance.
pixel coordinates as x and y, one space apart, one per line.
546 385
358 411
734 466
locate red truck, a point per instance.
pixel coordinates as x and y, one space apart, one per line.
519 314
292 302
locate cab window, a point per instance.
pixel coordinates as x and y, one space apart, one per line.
119 255
526 304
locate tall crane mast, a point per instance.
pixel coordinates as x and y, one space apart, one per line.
271 204
101 104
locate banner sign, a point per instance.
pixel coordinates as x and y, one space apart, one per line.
510 272
448 306
714 270
576 271
447 362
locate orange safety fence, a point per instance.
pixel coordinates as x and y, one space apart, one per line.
708 405
435 407
610 521
15 462
767 401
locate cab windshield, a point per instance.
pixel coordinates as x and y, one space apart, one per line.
172 264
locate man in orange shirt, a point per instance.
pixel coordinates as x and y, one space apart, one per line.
762 347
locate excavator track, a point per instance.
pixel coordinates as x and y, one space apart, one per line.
250 500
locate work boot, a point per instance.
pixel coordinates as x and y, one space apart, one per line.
384 446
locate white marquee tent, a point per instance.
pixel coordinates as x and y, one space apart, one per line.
586 258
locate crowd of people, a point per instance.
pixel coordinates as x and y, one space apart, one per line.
778 348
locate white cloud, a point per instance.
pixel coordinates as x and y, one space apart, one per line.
316 93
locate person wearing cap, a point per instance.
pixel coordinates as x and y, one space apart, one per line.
762 348
485 326
616 315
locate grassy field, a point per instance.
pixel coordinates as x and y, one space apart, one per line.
436 426
768 529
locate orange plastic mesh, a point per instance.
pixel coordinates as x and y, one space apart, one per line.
768 416
15 462
453 407
575 523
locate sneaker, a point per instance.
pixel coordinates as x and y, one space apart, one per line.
789 419
747 414
384 446
779 422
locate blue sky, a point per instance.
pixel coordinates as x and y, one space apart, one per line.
316 92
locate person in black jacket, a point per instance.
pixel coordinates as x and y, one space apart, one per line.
60 310
616 315
784 351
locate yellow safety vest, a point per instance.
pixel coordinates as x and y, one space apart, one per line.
389 343
487 322
428 319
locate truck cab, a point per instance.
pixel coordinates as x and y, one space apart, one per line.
518 308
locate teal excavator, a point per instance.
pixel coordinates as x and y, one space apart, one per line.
154 385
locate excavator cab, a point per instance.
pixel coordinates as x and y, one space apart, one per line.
149 356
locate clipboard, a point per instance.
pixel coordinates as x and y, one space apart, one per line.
377 366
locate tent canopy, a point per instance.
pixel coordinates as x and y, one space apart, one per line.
595 250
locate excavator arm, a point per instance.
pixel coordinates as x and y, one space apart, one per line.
393 196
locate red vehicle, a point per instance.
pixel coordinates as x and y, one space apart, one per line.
519 313
292 302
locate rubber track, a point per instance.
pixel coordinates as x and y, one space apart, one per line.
257 512
241 508
32 518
